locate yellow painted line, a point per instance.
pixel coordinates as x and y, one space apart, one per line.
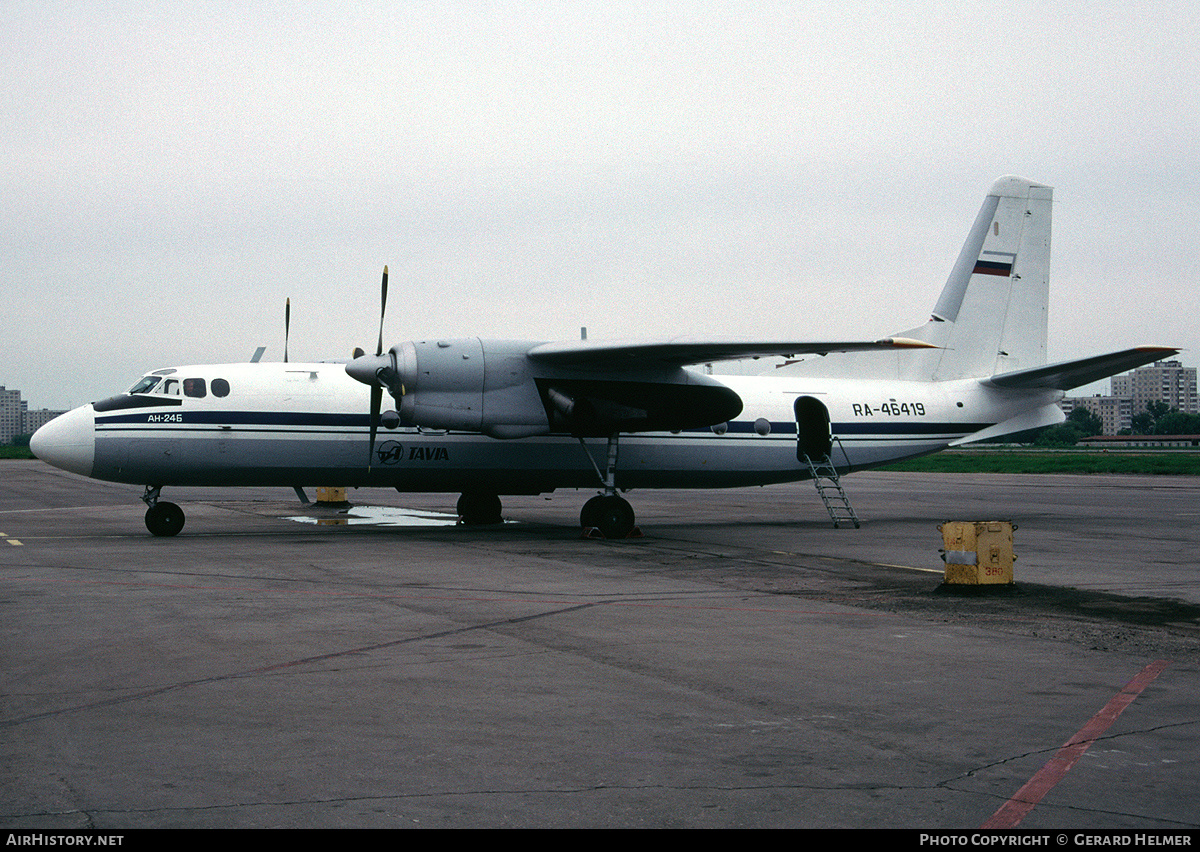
911 568
11 541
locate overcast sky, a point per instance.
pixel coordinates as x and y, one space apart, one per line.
171 172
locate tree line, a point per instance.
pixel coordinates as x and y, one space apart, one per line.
1157 418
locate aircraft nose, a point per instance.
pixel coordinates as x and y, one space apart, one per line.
68 441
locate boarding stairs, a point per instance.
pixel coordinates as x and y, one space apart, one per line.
829 489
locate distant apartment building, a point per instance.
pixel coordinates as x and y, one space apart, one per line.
1115 412
1162 381
38 418
17 419
12 414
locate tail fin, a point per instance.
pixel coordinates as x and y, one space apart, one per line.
991 316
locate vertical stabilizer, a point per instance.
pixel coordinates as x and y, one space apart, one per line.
992 314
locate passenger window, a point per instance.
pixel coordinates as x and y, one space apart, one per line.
195 388
220 387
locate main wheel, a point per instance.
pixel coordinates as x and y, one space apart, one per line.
164 519
589 515
479 508
612 515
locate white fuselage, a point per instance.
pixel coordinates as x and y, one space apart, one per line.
308 424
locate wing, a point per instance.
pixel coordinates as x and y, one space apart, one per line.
680 351
1072 374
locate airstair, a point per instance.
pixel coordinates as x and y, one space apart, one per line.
829 489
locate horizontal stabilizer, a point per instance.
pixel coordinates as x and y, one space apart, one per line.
1047 415
625 354
1072 374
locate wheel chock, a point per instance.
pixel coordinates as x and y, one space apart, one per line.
594 532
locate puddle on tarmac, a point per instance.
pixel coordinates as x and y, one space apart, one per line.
383 516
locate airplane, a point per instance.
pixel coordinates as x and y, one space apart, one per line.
491 418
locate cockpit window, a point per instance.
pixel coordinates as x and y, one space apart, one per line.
195 388
145 384
170 386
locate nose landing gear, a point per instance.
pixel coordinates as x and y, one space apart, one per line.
162 518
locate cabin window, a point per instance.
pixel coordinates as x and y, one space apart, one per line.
220 387
196 388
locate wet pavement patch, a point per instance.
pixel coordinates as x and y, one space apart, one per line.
381 516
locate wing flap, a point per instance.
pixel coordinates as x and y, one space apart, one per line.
1066 375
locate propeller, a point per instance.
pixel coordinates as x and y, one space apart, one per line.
376 388
382 310
287 325
379 371
376 399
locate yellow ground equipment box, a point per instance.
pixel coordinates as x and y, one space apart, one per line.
978 552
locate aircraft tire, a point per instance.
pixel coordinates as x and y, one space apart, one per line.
590 513
479 508
613 516
164 519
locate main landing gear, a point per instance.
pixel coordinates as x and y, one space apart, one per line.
607 513
162 518
479 507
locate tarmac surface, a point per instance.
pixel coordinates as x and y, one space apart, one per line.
743 664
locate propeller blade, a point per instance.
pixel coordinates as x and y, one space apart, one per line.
375 372
376 400
382 310
287 325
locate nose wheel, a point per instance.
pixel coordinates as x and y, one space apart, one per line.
162 518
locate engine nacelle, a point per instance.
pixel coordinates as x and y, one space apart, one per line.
496 387
470 384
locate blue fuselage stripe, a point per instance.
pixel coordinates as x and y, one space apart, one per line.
271 421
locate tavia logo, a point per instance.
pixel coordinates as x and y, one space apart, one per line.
390 452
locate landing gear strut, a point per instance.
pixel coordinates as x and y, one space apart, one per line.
162 518
607 512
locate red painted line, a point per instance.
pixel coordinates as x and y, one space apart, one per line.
1015 809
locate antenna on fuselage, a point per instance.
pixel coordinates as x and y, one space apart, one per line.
258 353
